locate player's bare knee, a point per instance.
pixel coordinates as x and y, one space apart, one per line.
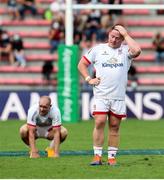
23 131
114 127
100 125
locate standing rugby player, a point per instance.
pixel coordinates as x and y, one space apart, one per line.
111 61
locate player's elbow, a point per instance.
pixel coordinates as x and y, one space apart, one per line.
136 52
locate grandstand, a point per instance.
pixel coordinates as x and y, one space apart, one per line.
143 24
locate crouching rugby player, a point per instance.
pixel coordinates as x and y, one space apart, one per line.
43 121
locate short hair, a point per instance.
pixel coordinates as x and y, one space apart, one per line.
118 24
113 28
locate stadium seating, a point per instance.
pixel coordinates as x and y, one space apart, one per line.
29 22
133 1
150 69
45 45
37 45
148 34
145 58
41 57
30 69
36 82
35 33
138 12
151 82
25 81
149 23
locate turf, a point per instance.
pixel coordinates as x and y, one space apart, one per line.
135 134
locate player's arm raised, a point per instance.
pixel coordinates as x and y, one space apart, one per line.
33 150
134 47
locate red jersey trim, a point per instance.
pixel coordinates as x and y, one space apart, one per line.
56 126
117 115
31 125
87 60
97 112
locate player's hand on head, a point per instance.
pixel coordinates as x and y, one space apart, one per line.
121 30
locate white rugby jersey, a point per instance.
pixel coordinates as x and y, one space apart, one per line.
112 67
52 119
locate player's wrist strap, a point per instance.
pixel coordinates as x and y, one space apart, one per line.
88 78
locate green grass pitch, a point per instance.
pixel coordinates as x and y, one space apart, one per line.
135 135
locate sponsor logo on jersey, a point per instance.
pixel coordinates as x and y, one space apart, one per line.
112 63
112 60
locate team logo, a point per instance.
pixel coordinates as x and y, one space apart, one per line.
112 60
105 53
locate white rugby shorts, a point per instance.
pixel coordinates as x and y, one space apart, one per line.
109 106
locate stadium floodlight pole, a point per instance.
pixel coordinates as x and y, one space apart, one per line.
69 22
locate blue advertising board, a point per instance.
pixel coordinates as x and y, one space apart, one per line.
146 105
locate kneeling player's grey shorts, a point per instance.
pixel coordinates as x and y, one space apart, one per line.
42 132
